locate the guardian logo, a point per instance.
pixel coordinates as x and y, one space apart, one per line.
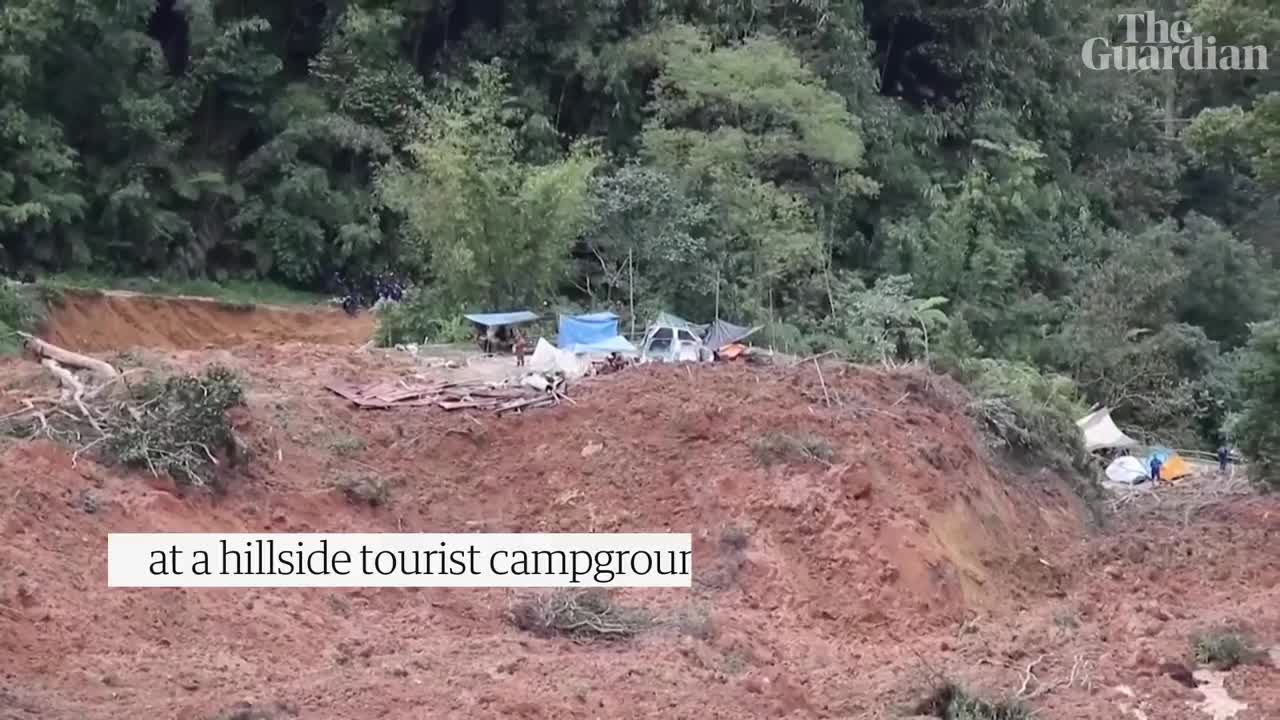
1153 44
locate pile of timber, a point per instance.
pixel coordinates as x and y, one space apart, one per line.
405 392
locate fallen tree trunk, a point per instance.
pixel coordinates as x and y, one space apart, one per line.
73 389
50 351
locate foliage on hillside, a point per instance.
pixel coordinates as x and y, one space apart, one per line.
1258 426
18 313
934 181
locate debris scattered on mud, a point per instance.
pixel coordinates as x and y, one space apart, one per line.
498 397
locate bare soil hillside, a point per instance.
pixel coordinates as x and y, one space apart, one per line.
854 545
92 320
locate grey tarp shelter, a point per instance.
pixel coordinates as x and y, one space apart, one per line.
723 333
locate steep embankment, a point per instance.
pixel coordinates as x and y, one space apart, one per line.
95 321
817 581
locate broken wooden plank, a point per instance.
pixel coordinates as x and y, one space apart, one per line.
464 404
409 394
344 389
540 401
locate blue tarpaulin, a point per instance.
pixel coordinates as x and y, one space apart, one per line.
617 344
593 332
506 318
586 329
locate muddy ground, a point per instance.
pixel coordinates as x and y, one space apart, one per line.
843 587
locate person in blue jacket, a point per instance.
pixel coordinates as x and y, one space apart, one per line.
1155 468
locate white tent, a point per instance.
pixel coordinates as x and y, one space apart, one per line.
1127 470
1100 432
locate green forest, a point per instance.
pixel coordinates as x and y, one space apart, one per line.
934 181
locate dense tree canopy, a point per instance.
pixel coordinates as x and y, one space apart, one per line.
898 179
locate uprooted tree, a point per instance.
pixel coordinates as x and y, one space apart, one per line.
175 425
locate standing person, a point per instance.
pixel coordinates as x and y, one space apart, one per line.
490 339
1155 468
519 347
1224 457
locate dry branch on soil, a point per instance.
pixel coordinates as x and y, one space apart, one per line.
1033 687
177 426
583 615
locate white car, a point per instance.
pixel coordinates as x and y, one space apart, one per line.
669 344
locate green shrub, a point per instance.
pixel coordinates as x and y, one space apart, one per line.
1223 649
951 702
177 426
1026 412
1257 428
370 491
419 317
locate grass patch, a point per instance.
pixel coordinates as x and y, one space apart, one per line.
579 614
345 444
775 447
696 622
1066 620
245 293
735 538
734 663
952 702
373 492
723 573
1224 649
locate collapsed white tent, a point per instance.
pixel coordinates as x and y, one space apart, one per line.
1127 470
1100 432
549 358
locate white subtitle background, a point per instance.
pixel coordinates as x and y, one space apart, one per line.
635 559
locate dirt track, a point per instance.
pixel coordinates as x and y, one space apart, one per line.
862 581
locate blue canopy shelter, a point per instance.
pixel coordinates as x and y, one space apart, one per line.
495 334
592 332
505 318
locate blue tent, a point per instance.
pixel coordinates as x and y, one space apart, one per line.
593 332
